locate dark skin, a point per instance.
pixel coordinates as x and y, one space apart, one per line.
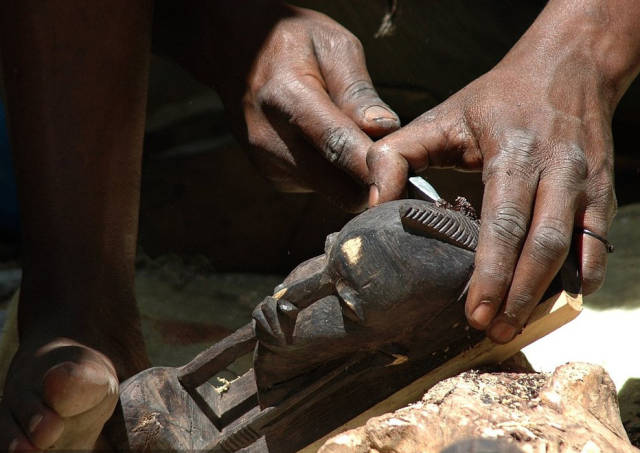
538 125
297 90
76 82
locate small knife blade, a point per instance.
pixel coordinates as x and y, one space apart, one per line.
418 187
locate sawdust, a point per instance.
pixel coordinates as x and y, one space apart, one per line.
224 385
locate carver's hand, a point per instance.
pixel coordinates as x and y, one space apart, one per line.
305 104
538 127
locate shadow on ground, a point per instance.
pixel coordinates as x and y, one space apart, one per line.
629 396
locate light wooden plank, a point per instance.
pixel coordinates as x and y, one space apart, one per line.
547 317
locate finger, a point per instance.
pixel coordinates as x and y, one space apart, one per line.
545 249
593 263
436 139
593 252
293 165
309 108
11 437
342 61
41 425
511 179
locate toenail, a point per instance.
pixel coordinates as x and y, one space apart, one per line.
13 445
34 422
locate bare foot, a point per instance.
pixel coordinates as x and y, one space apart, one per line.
58 396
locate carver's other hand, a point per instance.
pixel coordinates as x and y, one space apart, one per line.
299 93
538 127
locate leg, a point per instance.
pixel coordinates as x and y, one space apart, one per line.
75 74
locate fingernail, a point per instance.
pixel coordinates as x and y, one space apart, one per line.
34 422
502 332
374 195
483 314
13 445
379 114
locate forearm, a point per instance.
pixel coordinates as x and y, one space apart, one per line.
76 80
597 40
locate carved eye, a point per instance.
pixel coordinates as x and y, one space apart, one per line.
445 224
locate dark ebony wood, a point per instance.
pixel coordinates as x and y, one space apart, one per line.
383 306
378 287
217 357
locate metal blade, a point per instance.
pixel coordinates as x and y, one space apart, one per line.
420 189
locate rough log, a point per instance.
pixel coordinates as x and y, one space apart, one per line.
575 409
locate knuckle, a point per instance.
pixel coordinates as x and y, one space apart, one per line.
277 88
520 142
495 278
348 42
517 309
576 161
509 224
573 159
336 143
267 92
515 156
570 167
602 201
358 90
340 42
549 243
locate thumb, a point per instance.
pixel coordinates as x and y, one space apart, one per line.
428 141
360 101
349 86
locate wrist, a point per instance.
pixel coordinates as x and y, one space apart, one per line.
584 42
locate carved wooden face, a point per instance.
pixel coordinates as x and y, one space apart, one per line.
383 278
394 279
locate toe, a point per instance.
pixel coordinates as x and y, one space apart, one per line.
71 388
11 436
60 400
41 425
